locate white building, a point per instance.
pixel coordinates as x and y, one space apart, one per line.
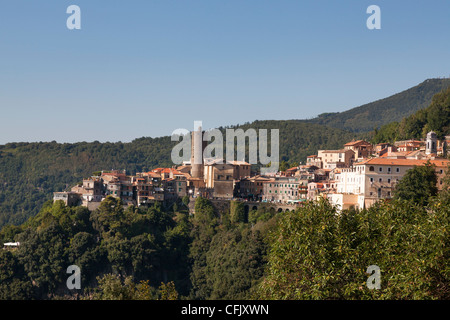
375 179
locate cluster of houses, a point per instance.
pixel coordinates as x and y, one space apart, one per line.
356 176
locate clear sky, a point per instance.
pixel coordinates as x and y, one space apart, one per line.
147 67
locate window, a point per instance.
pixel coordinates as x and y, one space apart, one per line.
371 179
380 180
389 170
389 180
397 169
380 169
371 168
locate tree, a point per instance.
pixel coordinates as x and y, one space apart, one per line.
317 254
167 291
113 287
418 184
444 195
235 263
186 200
14 284
237 212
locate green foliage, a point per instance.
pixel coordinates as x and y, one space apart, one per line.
203 229
31 172
227 259
263 213
435 117
186 200
235 263
299 138
14 284
167 291
313 253
417 185
316 253
237 212
113 287
145 243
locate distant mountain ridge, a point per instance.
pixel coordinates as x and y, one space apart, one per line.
378 113
31 172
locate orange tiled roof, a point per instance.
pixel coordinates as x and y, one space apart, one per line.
406 162
352 143
152 174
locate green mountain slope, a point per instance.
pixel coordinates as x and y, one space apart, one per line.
394 108
435 117
31 172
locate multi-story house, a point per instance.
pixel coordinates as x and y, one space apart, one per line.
375 179
251 188
283 190
362 149
336 158
314 160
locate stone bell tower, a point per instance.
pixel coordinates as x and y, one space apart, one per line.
197 148
431 146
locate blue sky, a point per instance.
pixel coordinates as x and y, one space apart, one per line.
145 67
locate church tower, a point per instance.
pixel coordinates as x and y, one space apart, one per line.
197 148
431 146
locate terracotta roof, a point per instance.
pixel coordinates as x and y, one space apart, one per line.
352 143
334 151
405 162
153 174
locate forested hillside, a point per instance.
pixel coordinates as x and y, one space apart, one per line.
394 108
128 254
31 172
435 117
151 253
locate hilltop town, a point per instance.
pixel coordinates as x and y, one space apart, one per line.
358 175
